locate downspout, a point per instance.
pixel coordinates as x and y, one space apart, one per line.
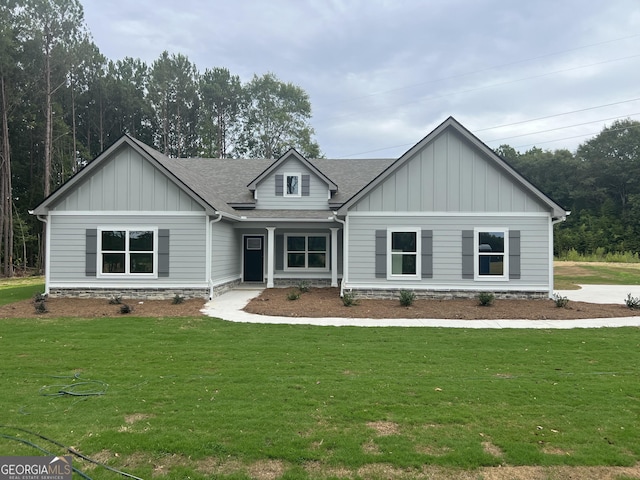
345 251
553 222
47 262
210 251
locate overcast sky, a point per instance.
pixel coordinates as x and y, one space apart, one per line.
381 74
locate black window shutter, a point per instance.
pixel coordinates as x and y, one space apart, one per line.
163 253
91 252
381 254
306 180
279 252
514 254
279 186
467 254
427 253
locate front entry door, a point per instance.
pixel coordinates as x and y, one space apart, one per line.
253 254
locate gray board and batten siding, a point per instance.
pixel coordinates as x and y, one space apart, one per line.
449 175
314 192
126 182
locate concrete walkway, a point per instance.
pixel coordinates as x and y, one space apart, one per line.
229 305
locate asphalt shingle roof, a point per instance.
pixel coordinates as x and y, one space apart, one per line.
222 182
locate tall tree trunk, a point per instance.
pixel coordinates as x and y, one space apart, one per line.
74 165
48 135
6 223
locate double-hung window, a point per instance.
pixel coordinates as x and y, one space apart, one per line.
127 251
491 253
292 185
403 255
306 252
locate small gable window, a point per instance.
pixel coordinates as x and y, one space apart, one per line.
127 252
292 185
491 254
404 253
306 252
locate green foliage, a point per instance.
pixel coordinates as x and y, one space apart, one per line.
40 303
486 298
407 298
177 300
632 302
600 255
293 295
115 300
560 301
349 299
299 394
303 286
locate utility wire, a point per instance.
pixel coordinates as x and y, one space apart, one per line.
486 69
561 128
555 115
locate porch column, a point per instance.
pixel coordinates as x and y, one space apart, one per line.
271 248
334 256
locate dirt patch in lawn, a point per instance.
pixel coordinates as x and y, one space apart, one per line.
326 302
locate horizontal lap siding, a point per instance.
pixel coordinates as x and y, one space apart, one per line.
447 248
186 256
226 250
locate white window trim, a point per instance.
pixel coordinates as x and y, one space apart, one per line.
476 255
418 274
101 274
284 186
306 258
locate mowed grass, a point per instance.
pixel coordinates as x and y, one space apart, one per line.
201 398
16 289
567 275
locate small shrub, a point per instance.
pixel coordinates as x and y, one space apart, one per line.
39 303
177 300
303 286
407 298
561 302
293 295
115 301
486 298
124 309
349 300
632 302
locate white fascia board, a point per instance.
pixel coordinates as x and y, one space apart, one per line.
418 213
125 213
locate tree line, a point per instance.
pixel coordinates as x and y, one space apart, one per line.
599 184
62 103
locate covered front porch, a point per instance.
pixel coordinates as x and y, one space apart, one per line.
292 253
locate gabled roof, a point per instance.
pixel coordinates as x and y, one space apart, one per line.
452 123
153 156
291 152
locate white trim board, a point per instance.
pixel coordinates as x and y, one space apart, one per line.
117 213
383 214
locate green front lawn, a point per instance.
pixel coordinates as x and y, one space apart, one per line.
567 275
16 289
202 398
